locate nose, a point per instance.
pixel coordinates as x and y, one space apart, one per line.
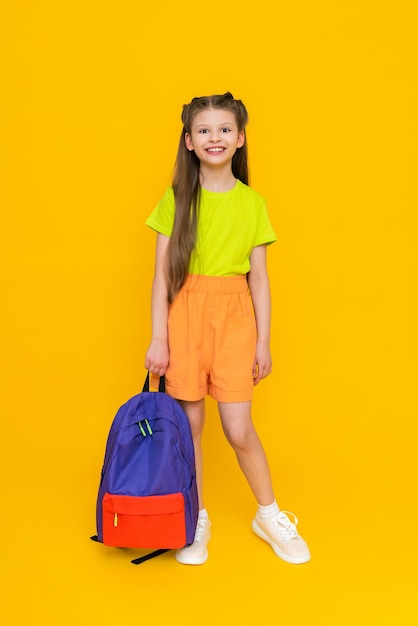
215 136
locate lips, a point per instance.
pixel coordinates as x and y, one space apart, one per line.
215 150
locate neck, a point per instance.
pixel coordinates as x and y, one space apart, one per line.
217 179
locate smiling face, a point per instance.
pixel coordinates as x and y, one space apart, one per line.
214 137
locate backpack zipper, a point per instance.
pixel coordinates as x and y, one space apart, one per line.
149 429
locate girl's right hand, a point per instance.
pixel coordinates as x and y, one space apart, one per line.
157 357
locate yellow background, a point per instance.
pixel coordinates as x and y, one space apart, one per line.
92 93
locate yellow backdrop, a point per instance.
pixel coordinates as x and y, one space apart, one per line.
90 116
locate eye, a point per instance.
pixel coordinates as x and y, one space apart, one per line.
203 130
226 130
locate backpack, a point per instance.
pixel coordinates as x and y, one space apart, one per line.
147 495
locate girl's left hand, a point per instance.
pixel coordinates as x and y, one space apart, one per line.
262 363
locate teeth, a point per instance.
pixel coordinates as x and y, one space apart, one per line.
215 149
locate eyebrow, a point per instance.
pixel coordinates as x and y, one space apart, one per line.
206 125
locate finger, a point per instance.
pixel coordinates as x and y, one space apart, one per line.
262 373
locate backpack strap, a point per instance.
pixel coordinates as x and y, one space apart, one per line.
151 555
161 384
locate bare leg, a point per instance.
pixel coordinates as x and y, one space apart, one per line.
197 552
195 411
241 434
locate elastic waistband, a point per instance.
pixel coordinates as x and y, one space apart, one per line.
215 284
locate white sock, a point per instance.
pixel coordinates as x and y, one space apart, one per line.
203 513
269 510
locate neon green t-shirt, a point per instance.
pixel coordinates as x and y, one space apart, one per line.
230 224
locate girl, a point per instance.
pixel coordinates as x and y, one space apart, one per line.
211 304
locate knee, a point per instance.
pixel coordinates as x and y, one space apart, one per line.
241 438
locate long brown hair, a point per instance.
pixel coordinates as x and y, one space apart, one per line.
186 185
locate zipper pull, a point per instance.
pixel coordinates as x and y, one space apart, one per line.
115 520
144 434
148 427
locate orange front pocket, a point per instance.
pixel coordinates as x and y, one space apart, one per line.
144 521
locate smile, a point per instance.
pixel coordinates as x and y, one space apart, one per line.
215 150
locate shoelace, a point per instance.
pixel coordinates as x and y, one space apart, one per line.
286 528
201 529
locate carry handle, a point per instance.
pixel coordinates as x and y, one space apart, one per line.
154 385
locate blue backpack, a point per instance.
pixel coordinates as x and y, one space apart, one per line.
148 493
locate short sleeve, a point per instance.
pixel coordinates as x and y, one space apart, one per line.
162 217
265 233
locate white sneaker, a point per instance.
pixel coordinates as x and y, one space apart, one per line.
283 537
197 552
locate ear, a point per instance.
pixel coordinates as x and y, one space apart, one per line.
188 142
241 139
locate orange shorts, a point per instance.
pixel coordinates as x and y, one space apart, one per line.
212 340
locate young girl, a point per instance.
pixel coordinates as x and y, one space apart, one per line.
211 304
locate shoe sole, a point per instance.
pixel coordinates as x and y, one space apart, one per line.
191 561
295 560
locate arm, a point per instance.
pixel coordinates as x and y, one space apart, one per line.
157 357
259 284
